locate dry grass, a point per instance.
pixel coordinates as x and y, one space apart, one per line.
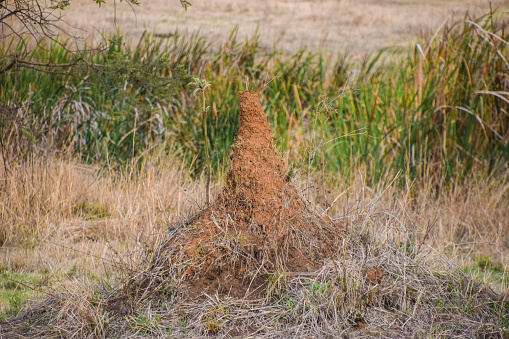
465 220
54 200
88 230
84 222
59 215
354 26
389 278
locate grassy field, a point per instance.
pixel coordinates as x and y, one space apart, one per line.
355 27
100 159
88 227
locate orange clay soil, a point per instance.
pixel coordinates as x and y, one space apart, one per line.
259 224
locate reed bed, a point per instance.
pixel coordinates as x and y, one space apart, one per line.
433 113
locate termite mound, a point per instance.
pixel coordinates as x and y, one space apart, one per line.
258 226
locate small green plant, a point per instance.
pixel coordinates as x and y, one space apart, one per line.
214 317
242 239
213 326
318 288
276 283
145 324
200 249
288 302
200 86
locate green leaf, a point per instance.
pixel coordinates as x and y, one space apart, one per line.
62 5
185 4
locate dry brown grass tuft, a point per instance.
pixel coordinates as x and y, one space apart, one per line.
59 215
463 219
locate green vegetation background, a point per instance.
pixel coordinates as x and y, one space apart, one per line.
437 113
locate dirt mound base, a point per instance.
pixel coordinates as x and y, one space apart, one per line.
258 225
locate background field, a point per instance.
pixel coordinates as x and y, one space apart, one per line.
350 26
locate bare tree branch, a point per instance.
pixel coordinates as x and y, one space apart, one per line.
35 17
38 18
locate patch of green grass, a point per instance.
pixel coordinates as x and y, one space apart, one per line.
94 211
15 291
487 268
145 324
487 263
